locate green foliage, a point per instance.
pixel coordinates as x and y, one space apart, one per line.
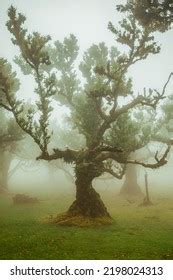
96 61
31 46
34 54
97 55
63 56
8 83
125 134
85 117
10 132
134 35
165 131
154 13
167 108
23 113
133 131
66 136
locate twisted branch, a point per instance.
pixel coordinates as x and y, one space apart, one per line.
159 162
118 175
67 155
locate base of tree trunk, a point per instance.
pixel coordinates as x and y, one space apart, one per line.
79 221
131 193
130 188
88 209
146 203
88 204
87 212
3 190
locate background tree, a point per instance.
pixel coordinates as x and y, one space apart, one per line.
165 131
94 106
133 132
10 134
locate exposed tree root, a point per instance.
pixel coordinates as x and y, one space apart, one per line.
79 221
146 203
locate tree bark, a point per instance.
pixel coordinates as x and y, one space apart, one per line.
130 187
88 202
5 160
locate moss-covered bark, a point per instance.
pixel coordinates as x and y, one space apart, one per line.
88 202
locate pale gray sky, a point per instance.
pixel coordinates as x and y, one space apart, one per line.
88 20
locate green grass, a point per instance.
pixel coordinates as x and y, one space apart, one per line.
137 233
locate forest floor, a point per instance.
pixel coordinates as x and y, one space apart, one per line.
137 233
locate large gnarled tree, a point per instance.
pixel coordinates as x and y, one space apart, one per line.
94 105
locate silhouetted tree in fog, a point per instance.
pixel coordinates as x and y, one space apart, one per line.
10 134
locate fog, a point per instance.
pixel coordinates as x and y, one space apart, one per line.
88 21
47 179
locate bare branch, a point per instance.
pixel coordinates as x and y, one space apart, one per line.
23 125
166 84
68 155
119 158
5 107
97 103
99 109
138 100
108 155
159 162
106 148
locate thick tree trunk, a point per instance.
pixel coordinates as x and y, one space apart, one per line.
5 160
88 202
130 187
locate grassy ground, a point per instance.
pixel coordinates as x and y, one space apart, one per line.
137 233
